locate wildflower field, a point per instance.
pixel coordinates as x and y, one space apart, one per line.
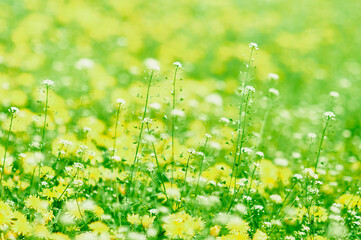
191 119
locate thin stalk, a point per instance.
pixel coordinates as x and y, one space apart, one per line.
140 132
200 170
186 172
6 149
173 121
320 146
44 130
114 145
158 166
239 122
242 139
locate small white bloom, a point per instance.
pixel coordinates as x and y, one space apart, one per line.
298 176
253 45
281 162
14 110
276 198
178 113
224 120
87 129
152 64
274 91
78 165
215 99
155 106
48 83
329 115
191 151
273 76
120 101
247 150
260 154
208 136
84 63
148 120
311 135
249 89
78 183
334 94
177 64
310 172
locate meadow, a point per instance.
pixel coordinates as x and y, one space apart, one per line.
216 120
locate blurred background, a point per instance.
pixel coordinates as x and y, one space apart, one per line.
314 46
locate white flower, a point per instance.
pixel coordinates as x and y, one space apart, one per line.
311 135
191 151
249 89
87 129
274 91
273 76
247 150
13 110
178 112
78 165
78 183
155 106
310 172
148 120
177 64
65 142
334 94
224 120
149 138
208 136
48 83
152 64
84 63
260 154
298 176
120 101
215 99
281 162
253 45
329 115
276 198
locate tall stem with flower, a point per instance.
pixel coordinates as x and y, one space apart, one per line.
13 111
135 161
253 47
47 84
177 65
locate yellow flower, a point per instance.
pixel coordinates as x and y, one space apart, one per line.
215 230
349 200
59 236
259 235
147 221
37 204
237 225
5 214
41 231
21 225
234 236
134 219
99 227
182 225
319 213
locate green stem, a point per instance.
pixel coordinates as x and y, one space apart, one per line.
43 139
173 121
320 146
239 123
6 149
140 133
200 170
